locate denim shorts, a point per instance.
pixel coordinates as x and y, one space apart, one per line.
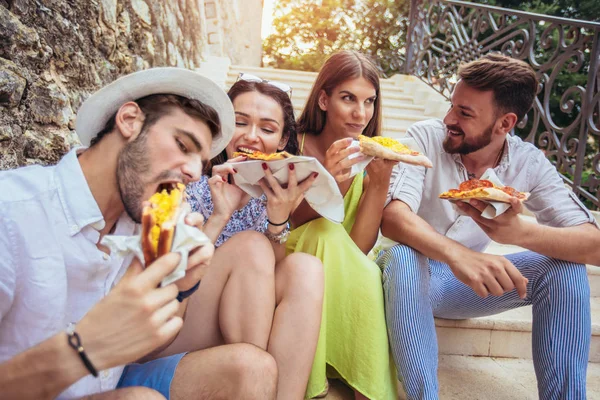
156 374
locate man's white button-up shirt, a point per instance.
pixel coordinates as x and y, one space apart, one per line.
51 272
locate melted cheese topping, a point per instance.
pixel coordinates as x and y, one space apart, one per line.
389 143
164 206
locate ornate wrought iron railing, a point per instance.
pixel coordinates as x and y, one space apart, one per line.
565 119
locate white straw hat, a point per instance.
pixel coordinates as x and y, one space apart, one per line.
98 108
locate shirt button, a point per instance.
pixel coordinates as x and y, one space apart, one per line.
105 374
105 256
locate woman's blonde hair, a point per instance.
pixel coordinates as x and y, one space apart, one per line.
338 68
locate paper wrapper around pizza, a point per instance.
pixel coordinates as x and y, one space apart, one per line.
494 208
186 239
323 196
360 167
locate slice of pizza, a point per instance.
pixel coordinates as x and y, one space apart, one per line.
259 155
482 189
391 149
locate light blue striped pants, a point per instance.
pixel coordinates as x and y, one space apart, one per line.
417 289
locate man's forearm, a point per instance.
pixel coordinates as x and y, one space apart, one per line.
579 244
43 371
404 226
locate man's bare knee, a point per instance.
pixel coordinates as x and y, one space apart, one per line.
256 372
130 393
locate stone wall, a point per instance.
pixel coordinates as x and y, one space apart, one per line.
54 53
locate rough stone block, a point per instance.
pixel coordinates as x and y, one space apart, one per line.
6 132
11 88
13 31
109 12
50 105
142 10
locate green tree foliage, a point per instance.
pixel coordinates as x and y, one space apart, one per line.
308 31
576 9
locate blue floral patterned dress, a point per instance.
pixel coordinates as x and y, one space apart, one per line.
252 216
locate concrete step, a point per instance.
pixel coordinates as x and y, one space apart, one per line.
477 378
295 78
507 334
305 84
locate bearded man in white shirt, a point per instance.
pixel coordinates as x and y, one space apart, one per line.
439 270
146 129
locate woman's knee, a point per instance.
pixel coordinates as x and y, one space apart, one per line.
250 251
301 274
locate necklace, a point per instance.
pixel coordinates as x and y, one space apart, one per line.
472 175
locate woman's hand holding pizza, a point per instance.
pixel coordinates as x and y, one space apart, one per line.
380 172
505 228
336 159
282 200
226 197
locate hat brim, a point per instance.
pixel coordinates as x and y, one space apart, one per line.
98 108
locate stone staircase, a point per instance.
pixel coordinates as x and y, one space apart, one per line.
480 358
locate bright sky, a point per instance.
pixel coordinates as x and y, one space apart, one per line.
267 18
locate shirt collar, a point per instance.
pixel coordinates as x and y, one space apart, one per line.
78 203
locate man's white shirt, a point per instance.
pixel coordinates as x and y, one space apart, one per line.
51 272
522 166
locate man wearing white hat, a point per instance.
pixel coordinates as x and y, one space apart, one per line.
67 327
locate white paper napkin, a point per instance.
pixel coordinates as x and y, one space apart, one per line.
323 196
494 208
360 167
186 239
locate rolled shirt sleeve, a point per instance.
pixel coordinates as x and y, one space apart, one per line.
407 181
552 203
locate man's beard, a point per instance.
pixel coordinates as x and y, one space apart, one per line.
132 164
465 146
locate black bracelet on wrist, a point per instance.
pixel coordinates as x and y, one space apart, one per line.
281 224
75 343
187 293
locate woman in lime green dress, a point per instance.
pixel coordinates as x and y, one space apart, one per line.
353 344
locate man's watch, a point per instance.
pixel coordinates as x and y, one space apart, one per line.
280 237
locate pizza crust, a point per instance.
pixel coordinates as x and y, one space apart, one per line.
257 155
483 193
375 149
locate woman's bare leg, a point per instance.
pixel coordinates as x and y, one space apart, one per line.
236 298
293 341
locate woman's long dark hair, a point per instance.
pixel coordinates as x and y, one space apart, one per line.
282 98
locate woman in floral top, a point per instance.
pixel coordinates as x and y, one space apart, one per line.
265 122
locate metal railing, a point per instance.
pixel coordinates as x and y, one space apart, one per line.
565 53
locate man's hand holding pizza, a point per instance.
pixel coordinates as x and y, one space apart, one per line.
198 259
506 228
